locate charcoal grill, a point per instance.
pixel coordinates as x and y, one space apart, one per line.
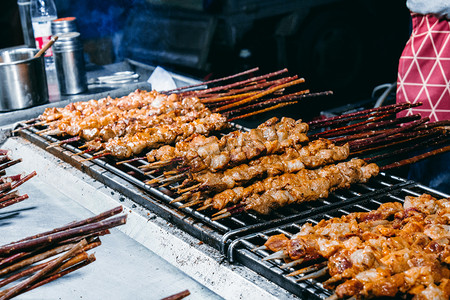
240 250
128 179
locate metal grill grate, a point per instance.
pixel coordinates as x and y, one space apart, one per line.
240 249
199 223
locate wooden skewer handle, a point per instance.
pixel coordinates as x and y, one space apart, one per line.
415 158
178 296
53 39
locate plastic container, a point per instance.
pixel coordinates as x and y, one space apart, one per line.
43 12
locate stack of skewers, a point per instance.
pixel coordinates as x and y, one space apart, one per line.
278 163
392 251
8 184
45 257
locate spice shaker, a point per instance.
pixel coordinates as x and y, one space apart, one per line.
64 25
69 61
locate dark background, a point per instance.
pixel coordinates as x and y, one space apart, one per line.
345 46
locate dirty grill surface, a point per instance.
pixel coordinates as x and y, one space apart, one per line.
242 249
128 179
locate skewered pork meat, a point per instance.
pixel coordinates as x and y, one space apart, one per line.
201 153
390 251
306 185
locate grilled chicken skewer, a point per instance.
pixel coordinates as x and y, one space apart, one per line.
372 254
317 153
306 185
154 137
108 121
211 153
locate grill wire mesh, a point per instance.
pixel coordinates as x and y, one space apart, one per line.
242 249
221 231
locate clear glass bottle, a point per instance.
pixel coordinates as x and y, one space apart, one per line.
43 12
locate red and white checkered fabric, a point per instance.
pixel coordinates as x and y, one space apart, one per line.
424 68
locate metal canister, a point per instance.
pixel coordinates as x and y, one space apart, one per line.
25 21
64 25
23 77
69 61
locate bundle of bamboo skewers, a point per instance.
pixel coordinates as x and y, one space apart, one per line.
8 184
45 257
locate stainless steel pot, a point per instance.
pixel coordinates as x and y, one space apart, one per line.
23 81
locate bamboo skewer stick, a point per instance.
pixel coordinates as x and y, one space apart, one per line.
90 259
205 207
372 124
358 144
308 269
292 264
92 243
22 274
10 163
4 158
285 98
357 136
13 258
234 210
317 274
178 296
263 110
48 269
235 95
13 201
259 95
180 198
94 219
192 203
214 100
363 112
99 154
9 196
53 39
23 180
435 141
59 236
5 187
276 255
415 158
397 139
434 124
342 130
35 258
269 84
334 123
130 160
240 83
213 81
11 178
59 143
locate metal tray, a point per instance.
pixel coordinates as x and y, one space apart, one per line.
240 250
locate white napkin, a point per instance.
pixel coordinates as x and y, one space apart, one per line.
161 80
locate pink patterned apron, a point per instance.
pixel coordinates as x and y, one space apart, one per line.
424 68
